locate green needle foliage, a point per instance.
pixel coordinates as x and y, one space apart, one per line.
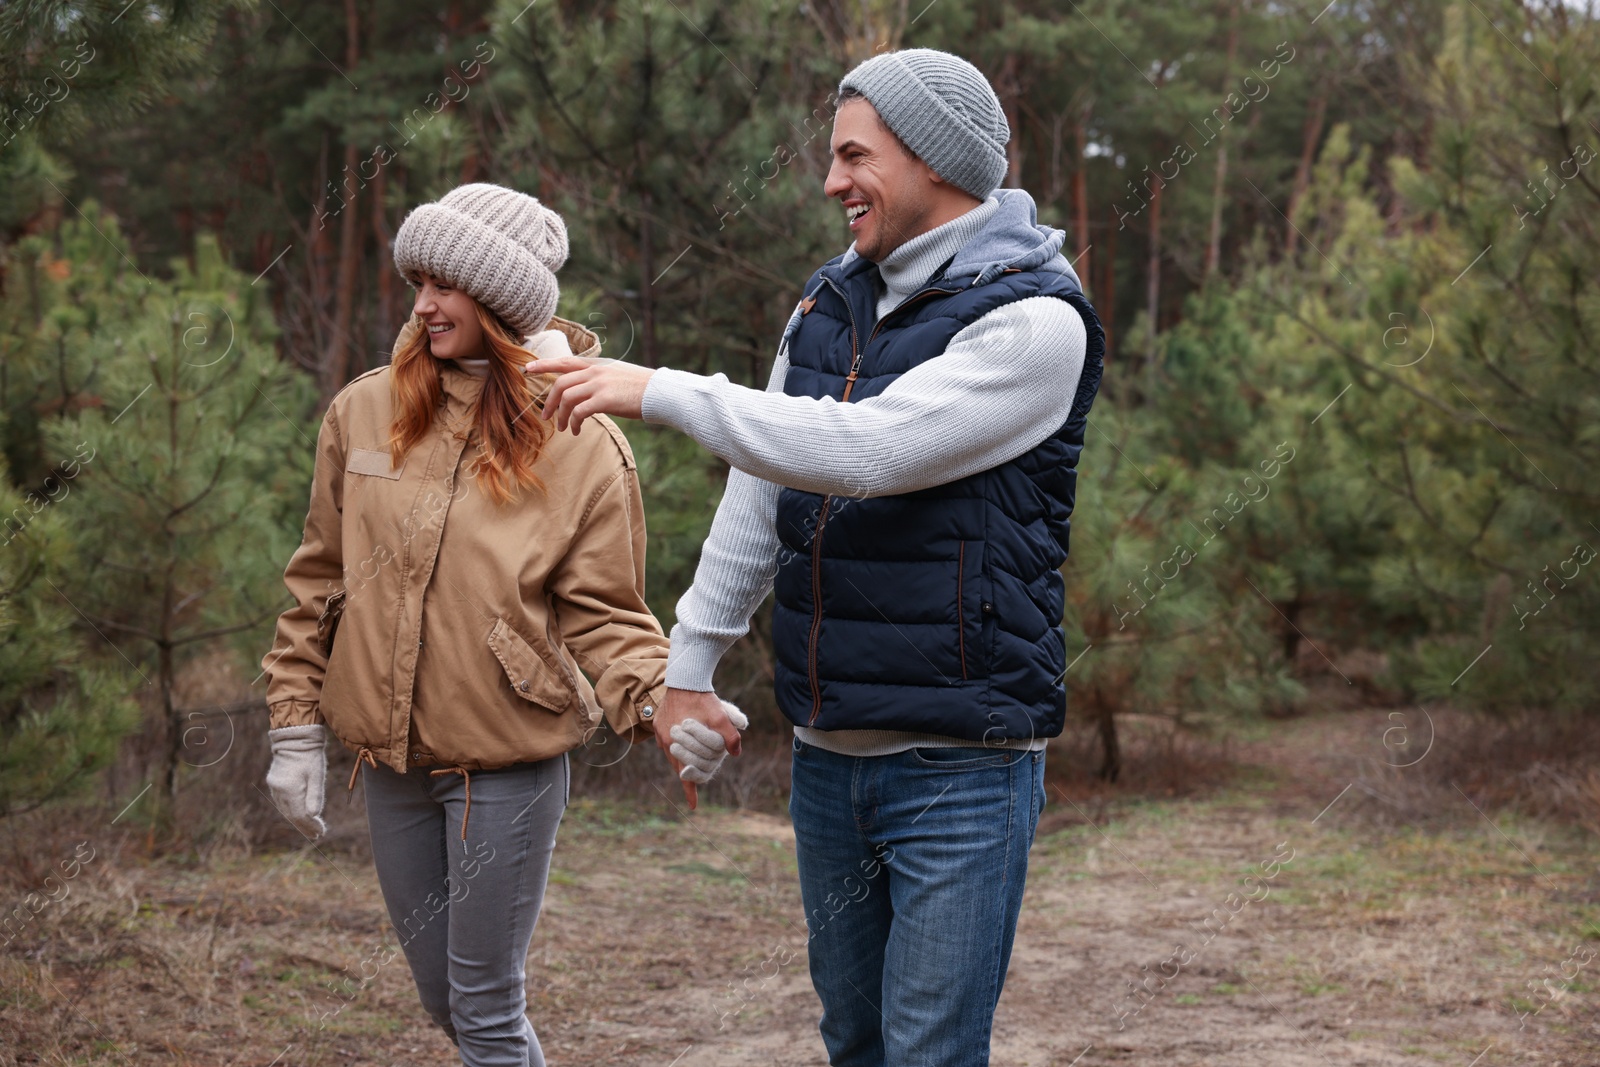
63 709
185 427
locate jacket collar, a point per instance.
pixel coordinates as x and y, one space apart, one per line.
462 388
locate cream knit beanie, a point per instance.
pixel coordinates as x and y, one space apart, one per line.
497 245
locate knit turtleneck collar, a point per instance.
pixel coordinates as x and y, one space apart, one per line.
461 384
909 267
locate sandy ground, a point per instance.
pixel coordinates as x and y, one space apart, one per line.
1378 942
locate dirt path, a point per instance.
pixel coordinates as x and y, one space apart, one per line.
1368 945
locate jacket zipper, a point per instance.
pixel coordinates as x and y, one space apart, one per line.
827 501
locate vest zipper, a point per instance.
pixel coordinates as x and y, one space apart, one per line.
822 518
856 354
907 302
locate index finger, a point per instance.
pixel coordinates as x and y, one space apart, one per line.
556 364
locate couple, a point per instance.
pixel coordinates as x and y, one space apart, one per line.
904 482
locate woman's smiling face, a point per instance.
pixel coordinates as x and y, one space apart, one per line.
450 317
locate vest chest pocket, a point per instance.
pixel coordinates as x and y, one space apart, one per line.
530 677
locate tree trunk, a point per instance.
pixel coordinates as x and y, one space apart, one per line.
1291 636
1107 305
172 732
1214 245
1152 293
1009 88
1311 134
1110 749
389 317
315 331
171 738
647 284
1080 192
337 362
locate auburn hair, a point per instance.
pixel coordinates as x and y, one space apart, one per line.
511 435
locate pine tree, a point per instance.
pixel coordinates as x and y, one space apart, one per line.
62 711
71 66
180 511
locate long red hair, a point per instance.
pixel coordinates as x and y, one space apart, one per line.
511 435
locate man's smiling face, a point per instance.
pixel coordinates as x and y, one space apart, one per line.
889 195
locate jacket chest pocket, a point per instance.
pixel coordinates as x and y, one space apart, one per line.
530 676
372 487
371 462
372 483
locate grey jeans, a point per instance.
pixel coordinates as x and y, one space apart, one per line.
464 909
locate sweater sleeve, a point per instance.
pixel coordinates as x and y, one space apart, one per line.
1002 385
738 563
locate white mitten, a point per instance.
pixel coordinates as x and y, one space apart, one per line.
297 776
701 749
548 344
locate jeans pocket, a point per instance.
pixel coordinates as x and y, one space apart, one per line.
958 759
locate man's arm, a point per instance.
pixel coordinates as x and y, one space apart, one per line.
1003 385
736 570
738 563
735 573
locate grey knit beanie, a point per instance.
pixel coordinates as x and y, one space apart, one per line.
497 245
945 111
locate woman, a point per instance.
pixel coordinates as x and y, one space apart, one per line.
461 563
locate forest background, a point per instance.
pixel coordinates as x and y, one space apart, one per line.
1346 255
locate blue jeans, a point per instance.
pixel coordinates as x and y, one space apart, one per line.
464 909
912 868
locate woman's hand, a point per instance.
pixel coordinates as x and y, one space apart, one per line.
590 387
702 749
707 710
295 779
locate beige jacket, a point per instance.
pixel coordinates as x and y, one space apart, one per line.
463 625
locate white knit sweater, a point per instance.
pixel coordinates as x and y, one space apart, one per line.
1002 386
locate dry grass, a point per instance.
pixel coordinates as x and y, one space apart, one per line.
1382 942
1426 763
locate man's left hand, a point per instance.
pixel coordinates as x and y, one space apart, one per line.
587 387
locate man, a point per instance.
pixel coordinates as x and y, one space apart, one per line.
905 483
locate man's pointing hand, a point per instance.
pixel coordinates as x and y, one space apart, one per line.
585 387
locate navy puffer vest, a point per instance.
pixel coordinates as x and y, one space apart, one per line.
938 610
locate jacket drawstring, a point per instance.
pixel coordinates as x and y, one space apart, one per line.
363 753
466 782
